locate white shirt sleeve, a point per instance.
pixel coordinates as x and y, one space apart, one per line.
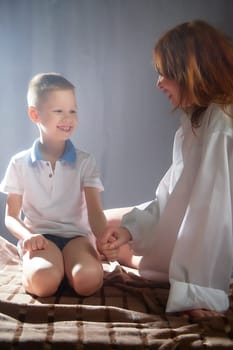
11 182
143 219
141 223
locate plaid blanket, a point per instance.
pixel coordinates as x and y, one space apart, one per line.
127 313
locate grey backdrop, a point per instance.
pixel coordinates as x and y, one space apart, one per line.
105 48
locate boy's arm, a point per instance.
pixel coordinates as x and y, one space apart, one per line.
12 217
16 226
96 217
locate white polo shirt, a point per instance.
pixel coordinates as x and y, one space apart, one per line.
53 201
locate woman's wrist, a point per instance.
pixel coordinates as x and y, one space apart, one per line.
127 234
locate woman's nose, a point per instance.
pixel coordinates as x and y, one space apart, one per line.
159 81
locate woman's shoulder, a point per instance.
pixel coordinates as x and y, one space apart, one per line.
219 119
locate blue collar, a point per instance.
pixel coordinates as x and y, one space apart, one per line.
69 154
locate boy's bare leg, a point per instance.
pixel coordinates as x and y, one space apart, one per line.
43 270
83 267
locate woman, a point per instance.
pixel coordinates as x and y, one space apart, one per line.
184 235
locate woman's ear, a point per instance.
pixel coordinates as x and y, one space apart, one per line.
33 114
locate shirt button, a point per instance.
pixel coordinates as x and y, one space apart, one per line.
50 175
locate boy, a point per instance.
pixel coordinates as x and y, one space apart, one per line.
56 187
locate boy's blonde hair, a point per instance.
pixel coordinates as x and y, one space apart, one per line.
42 83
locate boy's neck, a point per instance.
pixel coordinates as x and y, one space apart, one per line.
51 151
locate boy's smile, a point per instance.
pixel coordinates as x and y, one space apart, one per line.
64 128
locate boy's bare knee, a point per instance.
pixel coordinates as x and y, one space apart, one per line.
87 280
43 283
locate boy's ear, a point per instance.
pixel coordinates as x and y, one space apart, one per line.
33 114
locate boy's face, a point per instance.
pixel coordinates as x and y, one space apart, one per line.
57 115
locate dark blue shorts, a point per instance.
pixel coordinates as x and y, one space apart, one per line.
59 241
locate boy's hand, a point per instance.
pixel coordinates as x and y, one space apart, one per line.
35 242
112 240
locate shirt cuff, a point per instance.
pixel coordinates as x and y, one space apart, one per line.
186 296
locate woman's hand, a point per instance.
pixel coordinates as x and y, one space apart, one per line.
112 240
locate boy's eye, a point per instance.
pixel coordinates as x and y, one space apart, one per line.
60 111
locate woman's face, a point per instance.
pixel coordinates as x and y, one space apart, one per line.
170 88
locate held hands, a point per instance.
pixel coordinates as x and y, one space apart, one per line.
112 240
35 242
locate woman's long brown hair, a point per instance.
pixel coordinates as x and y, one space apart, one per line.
199 58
